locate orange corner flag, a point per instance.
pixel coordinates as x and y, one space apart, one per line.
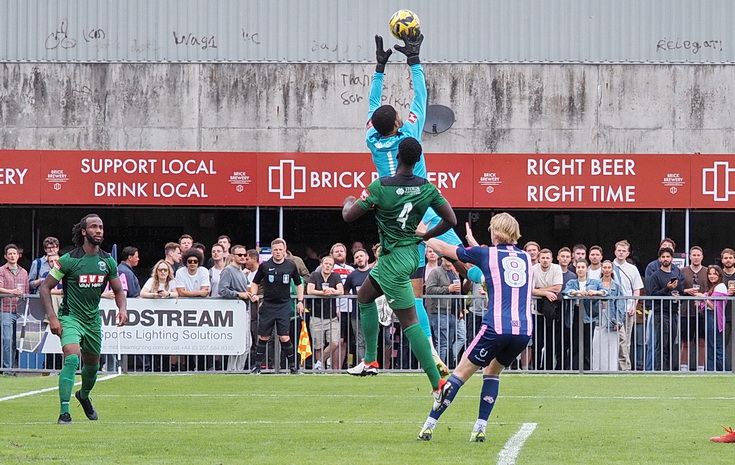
304 343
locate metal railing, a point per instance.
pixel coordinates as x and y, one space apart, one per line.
666 334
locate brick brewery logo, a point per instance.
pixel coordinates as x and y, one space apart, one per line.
57 178
673 181
490 180
240 179
287 179
719 181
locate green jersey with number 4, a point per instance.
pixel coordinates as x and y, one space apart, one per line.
400 202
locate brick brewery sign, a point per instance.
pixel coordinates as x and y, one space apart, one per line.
594 181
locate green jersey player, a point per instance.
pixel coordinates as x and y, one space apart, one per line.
399 201
84 273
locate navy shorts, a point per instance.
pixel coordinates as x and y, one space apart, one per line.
274 314
488 345
419 273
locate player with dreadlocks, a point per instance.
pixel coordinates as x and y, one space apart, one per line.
84 273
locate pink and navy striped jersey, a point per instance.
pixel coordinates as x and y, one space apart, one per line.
509 278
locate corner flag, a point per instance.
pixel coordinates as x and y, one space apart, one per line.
304 343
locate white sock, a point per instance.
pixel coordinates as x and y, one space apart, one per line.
430 423
480 425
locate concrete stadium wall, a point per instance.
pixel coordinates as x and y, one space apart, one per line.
508 108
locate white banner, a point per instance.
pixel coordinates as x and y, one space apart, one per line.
186 326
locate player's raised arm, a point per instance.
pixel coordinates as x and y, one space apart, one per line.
470 236
442 248
417 116
376 88
381 55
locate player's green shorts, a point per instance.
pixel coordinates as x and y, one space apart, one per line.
87 334
393 274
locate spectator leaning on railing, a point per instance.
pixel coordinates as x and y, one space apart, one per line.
605 341
714 317
583 287
40 266
692 318
665 282
234 284
324 325
728 276
13 281
630 286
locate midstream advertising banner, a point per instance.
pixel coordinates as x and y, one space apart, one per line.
155 326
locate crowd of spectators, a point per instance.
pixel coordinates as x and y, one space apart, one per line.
586 312
589 314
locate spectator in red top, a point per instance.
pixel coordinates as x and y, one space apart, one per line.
13 281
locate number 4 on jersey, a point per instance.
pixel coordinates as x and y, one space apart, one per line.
403 217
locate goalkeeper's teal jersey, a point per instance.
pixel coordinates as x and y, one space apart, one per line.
400 202
385 149
84 278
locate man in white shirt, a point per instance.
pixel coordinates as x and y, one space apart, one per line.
339 254
595 269
192 280
630 285
547 282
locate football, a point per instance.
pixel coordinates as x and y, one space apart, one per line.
404 22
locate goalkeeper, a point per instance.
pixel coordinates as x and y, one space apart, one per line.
385 131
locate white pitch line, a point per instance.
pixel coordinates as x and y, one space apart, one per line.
254 422
40 391
512 448
402 396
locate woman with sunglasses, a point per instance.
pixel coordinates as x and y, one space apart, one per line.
161 284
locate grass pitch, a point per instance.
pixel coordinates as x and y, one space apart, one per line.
337 419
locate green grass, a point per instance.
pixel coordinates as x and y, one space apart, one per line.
325 419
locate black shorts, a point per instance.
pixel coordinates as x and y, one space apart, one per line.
692 328
274 314
345 327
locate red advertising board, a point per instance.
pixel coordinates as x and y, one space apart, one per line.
713 179
553 181
147 178
325 179
581 181
19 171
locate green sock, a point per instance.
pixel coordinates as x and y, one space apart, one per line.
422 350
370 329
89 377
66 381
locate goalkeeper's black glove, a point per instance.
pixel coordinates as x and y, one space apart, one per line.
412 48
381 55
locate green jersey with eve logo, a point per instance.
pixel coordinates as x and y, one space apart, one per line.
83 277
